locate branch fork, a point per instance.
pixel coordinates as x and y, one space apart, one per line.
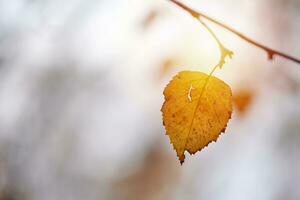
224 51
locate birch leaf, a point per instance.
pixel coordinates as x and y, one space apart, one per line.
196 111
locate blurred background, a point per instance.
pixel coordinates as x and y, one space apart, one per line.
81 87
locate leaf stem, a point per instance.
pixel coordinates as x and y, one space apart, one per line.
270 52
224 52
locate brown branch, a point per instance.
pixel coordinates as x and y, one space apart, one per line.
271 52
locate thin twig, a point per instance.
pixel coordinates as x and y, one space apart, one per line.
271 52
224 52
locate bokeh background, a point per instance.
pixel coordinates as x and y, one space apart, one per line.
81 90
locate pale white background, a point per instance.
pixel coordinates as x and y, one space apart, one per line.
81 89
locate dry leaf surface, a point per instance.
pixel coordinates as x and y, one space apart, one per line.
196 110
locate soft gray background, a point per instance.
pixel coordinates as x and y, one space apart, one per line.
81 89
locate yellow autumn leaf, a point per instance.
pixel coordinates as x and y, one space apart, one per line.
196 110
